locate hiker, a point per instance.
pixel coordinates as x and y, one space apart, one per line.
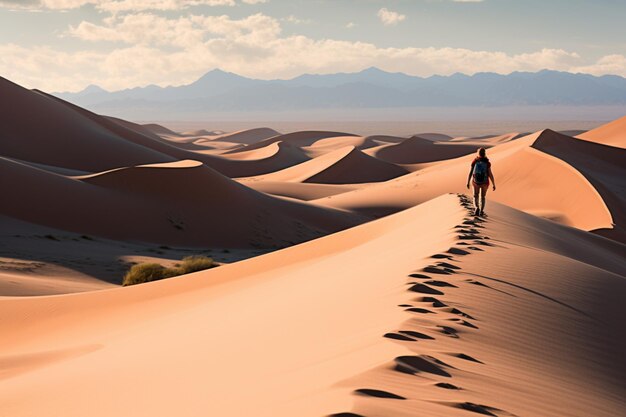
480 174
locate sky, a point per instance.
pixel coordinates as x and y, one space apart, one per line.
66 45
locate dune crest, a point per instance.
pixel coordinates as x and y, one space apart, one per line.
415 150
304 138
248 136
530 175
347 165
611 134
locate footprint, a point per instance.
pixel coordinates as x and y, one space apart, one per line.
419 310
475 248
454 310
405 305
448 265
416 335
424 289
468 232
378 394
449 331
466 357
445 385
437 270
420 276
473 281
476 408
457 251
416 364
436 302
441 256
440 284
345 415
464 323
396 336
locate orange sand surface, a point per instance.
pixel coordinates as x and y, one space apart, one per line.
354 279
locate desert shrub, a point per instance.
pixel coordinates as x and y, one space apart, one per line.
196 263
147 272
141 273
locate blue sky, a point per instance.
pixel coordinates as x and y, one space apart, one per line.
64 45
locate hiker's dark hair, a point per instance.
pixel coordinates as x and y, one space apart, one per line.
482 152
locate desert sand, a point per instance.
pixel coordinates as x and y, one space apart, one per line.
354 279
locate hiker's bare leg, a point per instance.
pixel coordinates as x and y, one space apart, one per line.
483 194
476 190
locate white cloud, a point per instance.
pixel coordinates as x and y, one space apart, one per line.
610 64
137 5
184 32
114 5
152 49
350 25
295 20
255 1
390 18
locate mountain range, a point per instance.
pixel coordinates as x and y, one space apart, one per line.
219 91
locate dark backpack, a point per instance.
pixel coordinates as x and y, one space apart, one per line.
481 172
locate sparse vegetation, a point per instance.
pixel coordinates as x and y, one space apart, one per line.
147 272
196 263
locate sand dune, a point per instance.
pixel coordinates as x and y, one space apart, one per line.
37 128
298 190
323 146
427 311
528 179
495 317
200 132
248 136
603 166
435 137
343 166
292 153
612 134
489 140
158 129
273 157
305 138
416 150
181 203
57 133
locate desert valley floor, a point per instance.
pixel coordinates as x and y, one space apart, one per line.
354 279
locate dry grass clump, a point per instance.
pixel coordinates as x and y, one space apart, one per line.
147 272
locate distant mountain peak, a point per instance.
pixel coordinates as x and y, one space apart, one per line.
373 70
93 88
218 73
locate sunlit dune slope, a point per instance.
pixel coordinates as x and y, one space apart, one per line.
612 134
548 174
347 165
304 138
509 316
416 150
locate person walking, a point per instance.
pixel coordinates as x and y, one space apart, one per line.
480 174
